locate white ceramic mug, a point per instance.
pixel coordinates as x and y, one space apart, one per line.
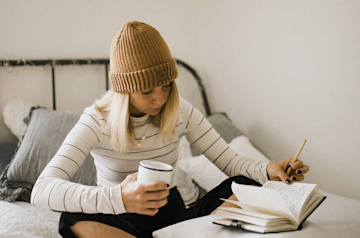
154 171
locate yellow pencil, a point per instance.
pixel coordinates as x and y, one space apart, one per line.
288 171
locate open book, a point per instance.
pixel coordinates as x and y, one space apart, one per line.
274 207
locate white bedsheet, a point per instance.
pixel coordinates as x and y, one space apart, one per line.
336 217
22 220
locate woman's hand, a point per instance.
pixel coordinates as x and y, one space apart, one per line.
276 170
143 198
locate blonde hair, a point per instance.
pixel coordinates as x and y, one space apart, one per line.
116 106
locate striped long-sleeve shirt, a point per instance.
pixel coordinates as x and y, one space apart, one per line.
53 190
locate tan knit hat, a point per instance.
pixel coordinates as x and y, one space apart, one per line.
140 59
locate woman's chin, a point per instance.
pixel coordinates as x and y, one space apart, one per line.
154 111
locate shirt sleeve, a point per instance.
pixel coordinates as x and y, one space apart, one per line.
205 139
53 189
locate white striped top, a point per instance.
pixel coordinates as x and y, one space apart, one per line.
53 190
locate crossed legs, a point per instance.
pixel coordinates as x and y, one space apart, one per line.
90 229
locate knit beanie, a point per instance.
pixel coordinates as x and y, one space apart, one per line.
140 59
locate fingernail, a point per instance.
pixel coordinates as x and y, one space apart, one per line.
299 171
167 185
167 198
287 181
288 165
294 178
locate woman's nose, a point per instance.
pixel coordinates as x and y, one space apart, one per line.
159 97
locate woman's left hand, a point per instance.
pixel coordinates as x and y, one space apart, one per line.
276 170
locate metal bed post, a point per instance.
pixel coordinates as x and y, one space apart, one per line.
105 62
201 86
107 76
53 86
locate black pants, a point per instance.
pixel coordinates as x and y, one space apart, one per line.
174 211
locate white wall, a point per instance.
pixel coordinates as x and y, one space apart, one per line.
67 29
289 70
282 70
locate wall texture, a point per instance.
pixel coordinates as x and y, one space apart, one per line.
286 71
282 70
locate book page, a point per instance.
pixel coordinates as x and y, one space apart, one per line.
294 195
263 200
248 213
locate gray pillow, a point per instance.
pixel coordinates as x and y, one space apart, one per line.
7 151
223 126
45 133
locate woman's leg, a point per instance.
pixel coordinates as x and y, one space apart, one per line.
226 204
73 225
229 204
211 200
94 229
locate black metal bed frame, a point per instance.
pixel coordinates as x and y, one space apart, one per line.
61 62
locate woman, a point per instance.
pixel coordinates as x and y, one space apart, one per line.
141 117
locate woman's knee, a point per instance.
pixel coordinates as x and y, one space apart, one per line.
83 228
97 229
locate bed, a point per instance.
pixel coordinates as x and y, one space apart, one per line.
34 125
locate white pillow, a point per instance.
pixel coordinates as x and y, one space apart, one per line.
14 113
203 172
243 147
207 175
188 190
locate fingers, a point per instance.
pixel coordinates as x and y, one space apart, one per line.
144 198
150 211
157 204
131 177
156 196
149 203
155 186
284 177
298 170
303 170
152 187
297 165
276 170
152 191
297 177
150 208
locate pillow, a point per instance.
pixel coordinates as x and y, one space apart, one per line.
192 165
243 147
203 172
14 112
7 151
188 190
45 133
223 126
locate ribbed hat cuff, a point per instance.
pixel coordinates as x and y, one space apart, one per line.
144 79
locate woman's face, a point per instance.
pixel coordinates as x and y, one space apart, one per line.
150 101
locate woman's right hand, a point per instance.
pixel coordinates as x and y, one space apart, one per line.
143 198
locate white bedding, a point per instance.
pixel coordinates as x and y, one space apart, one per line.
22 220
336 217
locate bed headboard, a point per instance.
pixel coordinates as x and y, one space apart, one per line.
73 84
